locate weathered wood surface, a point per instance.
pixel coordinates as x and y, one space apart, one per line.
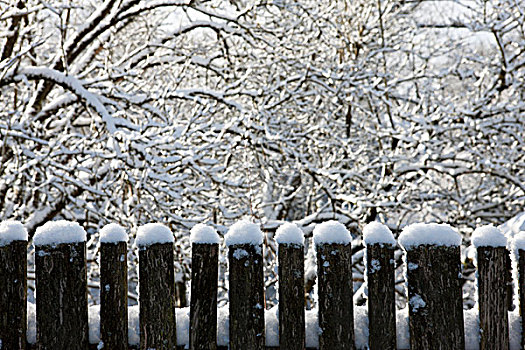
492 298
61 297
291 297
114 295
246 297
157 297
203 302
336 315
381 296
13 295
435 298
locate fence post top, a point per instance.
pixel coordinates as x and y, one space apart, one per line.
330 232
113 233
204 234
244 232
58 232
488 236
378 233
429 234
289 233
12 231
153 233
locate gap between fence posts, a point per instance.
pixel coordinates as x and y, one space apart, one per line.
61 286
13 294
291 296
114 295
380 269
203 301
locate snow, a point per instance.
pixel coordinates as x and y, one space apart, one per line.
271 320
134 325
58 232
361 328
223 325
12 231
429 234
113 233
377 233
153 233
330 232
244 232
204 234
402 329
471 322
182 318
513 226
519 242
312 328
289 233
31 323
94 324
488 236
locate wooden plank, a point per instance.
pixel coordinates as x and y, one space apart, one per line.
336 315
114 295
13 295
381 296
435 297
157 296
291 297
246 297
492 298
203 302
61 296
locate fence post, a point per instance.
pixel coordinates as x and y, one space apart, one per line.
204 275
434 288
13 285
518 246
380 271
490 244
61 286
334 277
156 287
246 292
291 287
113 287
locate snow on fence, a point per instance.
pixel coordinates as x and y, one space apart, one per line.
436 319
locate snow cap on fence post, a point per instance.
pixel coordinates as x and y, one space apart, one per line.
377 233
289 233
153 233
12 231
488 236
518 242
332 231
244 232
204 234
113 233
58 232
429 234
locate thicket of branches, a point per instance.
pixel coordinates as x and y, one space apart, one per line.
190 111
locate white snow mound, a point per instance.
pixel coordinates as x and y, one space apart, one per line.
330 232
289 233
244 232
488 236
113 233
204 234
377 233
12 231
429 234
58 232
153 233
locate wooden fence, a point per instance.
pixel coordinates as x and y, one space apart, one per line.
434 295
